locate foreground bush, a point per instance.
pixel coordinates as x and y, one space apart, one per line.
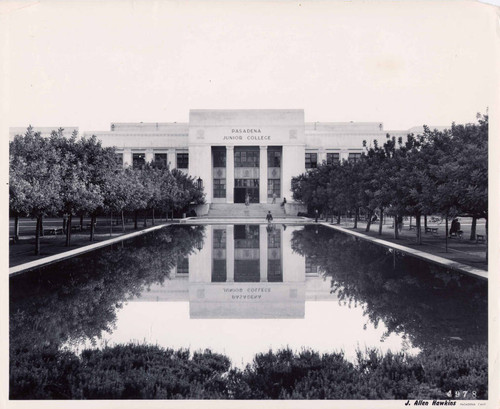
151 372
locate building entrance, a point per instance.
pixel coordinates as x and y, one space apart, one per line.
242 187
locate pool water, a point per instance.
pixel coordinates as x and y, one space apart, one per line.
243 289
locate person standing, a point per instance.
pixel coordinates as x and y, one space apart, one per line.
316 215
274 198
269 217
247 199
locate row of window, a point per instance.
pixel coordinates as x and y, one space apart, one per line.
312 158
160 159
244 159
273 238
273 186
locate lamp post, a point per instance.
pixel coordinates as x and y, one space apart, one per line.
200 183
199 244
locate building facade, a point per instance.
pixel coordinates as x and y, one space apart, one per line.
241 153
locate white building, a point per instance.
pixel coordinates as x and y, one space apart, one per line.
240 152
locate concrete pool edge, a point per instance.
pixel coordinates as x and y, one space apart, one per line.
21 268
444 262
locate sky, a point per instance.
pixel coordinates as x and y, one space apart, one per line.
403 63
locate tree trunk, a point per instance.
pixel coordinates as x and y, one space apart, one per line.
419 229
473 228
81 222
153 219
381 221
68 230
135 219
425 222
111 223
145 219
123 223
369 221
41 226
92 227
338 217
409 228
446 231
356 218
396 231
37 235
16 227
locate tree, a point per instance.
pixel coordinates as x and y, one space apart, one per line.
36 177
78 193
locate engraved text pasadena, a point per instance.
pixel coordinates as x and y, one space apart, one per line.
250 134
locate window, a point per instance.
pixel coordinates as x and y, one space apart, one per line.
273 186
312 266
219 274
274 273
246 183
354 157
311 160
138 160
182 265
219 239
219 157
332 158
119 159
273 159
183 160
161 160
219 188
274 239
246 159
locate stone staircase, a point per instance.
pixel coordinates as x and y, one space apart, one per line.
239 210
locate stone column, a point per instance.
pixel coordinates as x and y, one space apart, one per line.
171 158
230 174
321 155
230 253
263 252
344 154
149 156
263 175
293 164
127 157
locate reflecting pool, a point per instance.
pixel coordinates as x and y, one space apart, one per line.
244 289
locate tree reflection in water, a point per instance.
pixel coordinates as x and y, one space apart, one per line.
422 301
77 299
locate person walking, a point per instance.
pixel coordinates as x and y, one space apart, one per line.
400 223
269 217
274 198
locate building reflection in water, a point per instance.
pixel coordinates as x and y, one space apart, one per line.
244 271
